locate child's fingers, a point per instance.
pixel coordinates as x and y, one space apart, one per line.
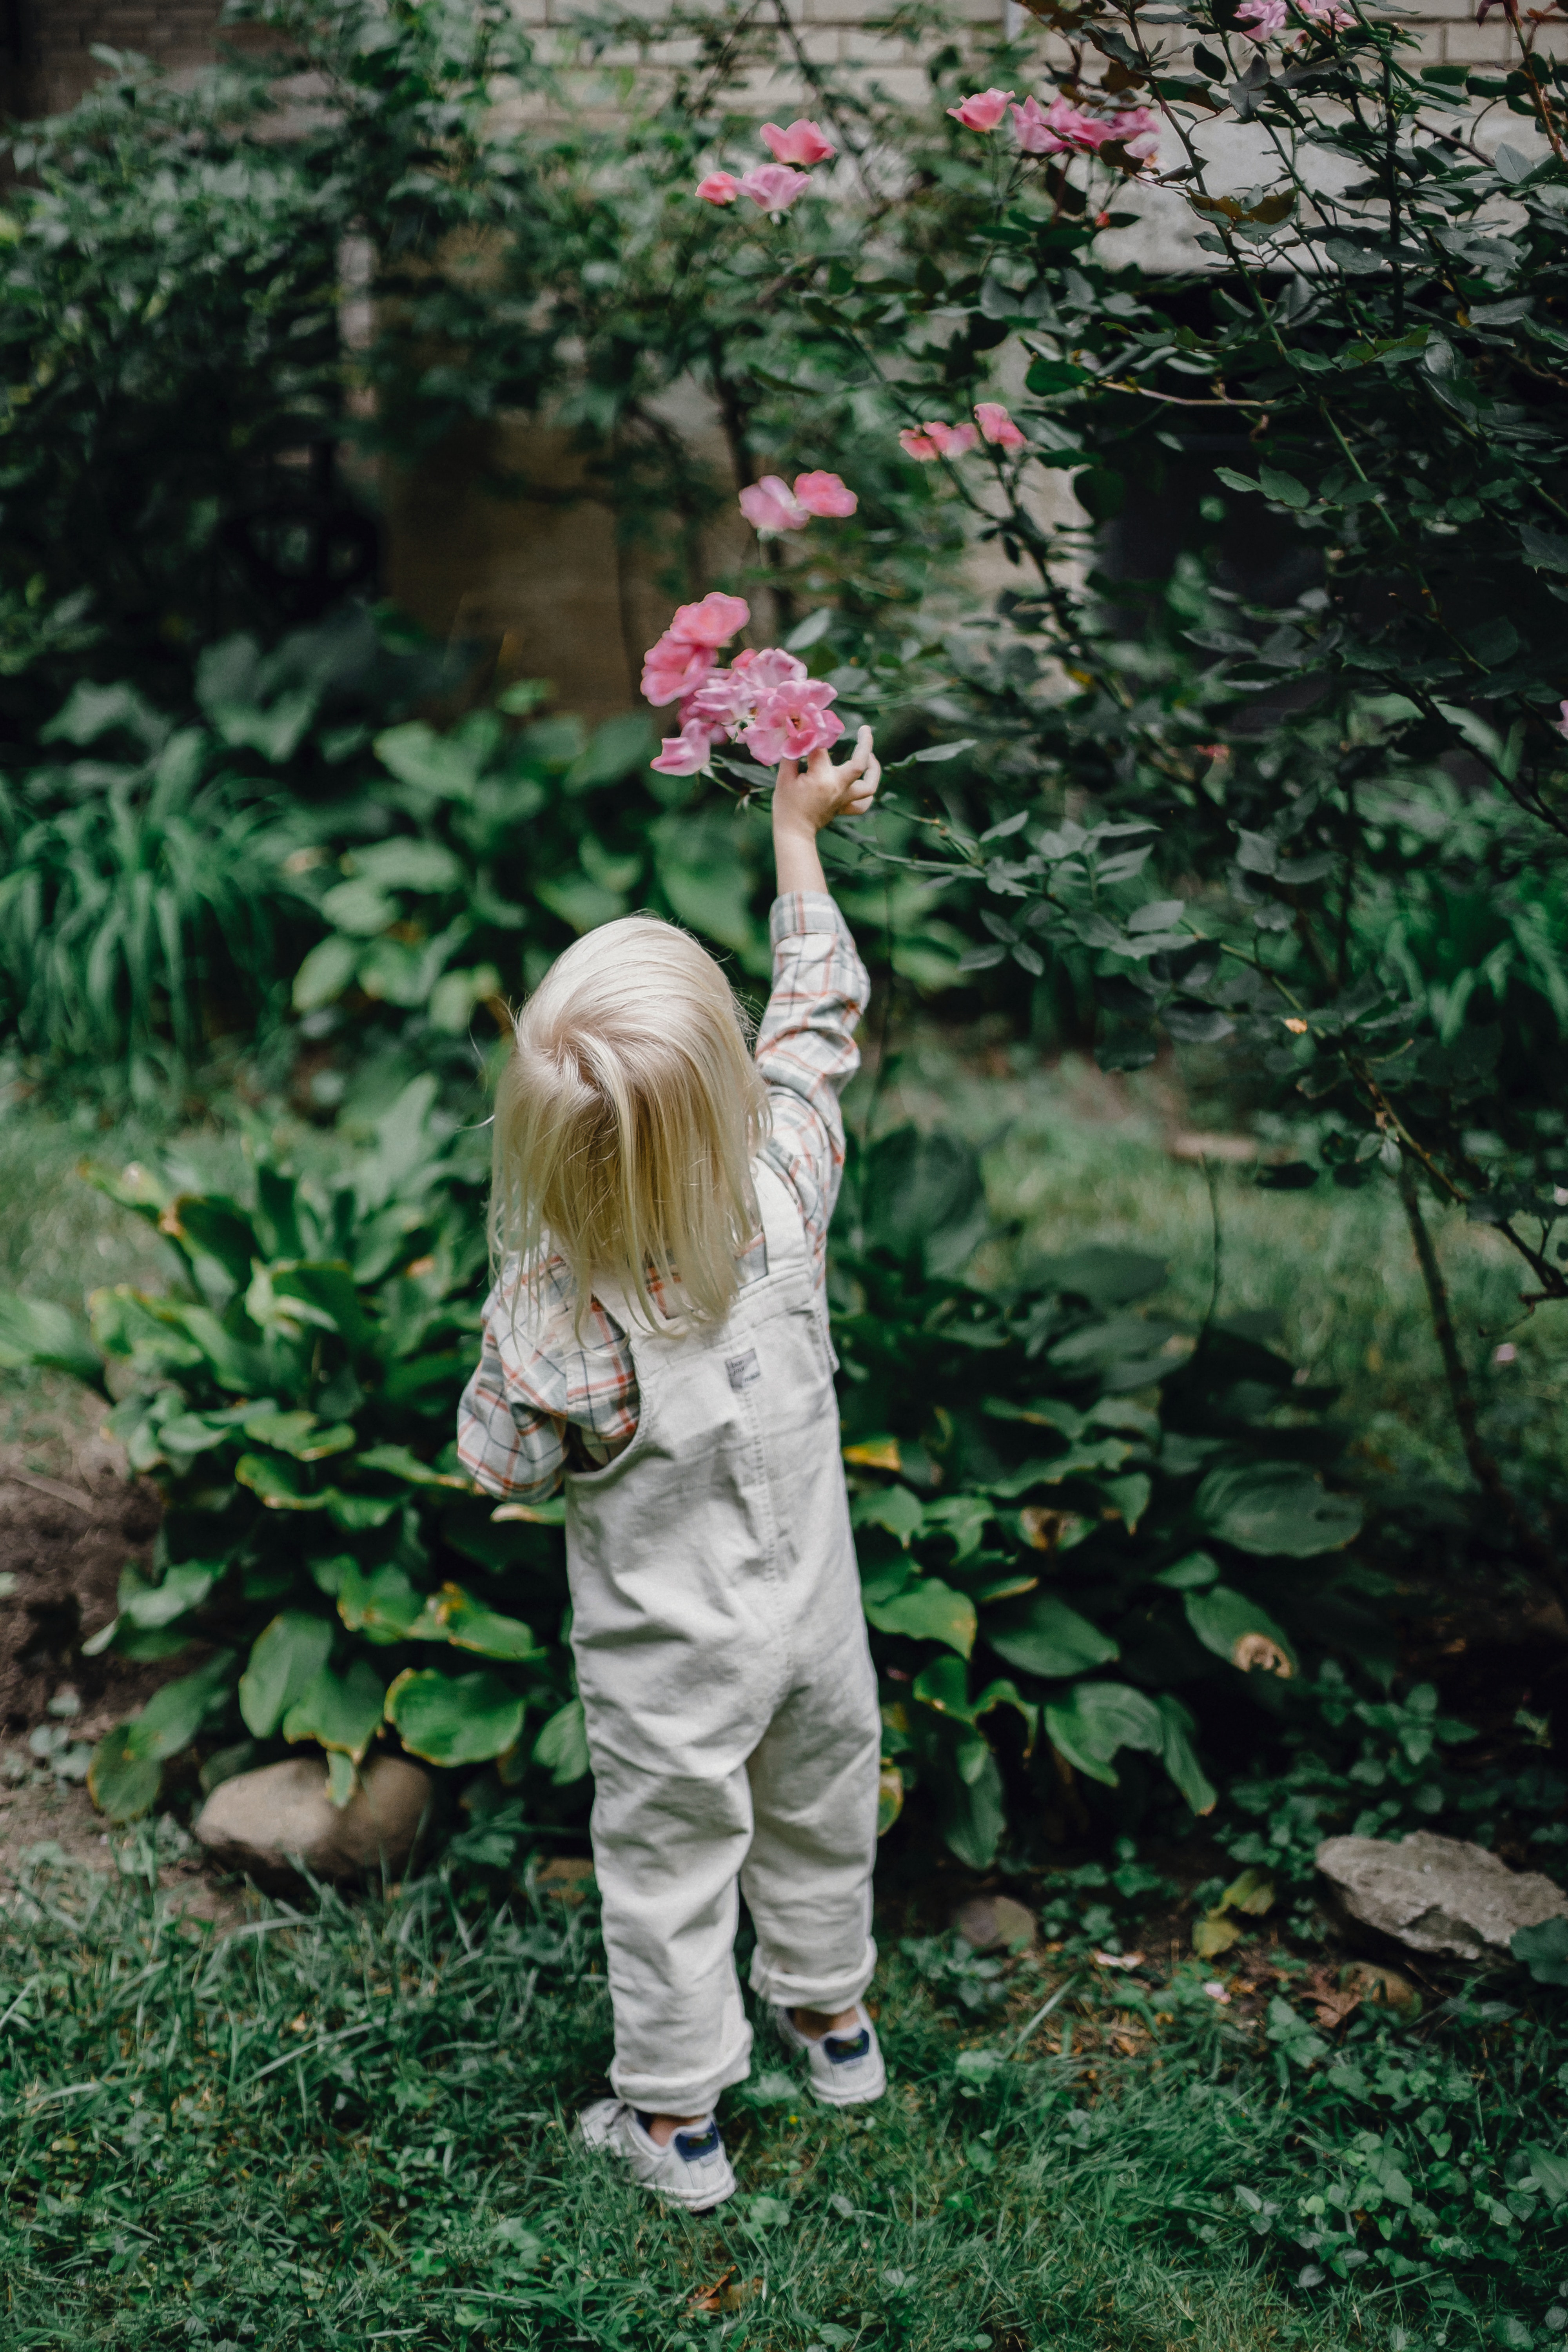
862 756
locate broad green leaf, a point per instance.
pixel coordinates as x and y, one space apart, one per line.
1096 1719
1234 1627
324 1294
384 1606
326 972
173 1716
184 1587
893 1508
1543 1949
341 1711
1285 487
889 1798
285 1659
398 1462
453 1615
300 1434
221 1229
1045 1636
35 1331
1275 1508
406 864
1190 1574
927 1611
562 1746
278 1482
972 1809
1549 2165
1179 1755
454 1718
122 1782
354 1513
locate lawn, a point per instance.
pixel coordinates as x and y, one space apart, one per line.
349 2125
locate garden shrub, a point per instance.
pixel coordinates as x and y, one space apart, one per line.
1076 1519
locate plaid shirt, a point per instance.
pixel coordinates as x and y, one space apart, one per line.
540 1396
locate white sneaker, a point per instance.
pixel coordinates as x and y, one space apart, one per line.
847 2069
691 2169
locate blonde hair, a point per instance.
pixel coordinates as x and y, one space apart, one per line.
626 1120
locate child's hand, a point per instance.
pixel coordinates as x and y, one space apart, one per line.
806 801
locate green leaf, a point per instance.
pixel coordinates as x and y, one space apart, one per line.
277 1484
398 1462
184 1587
1544 1950
1189 1574
927 1611
326 972
1283 487
1047 1637
122 1782
35 1331
454 1718
1550 2167
562 1746
1234 1627
1232 479
324 1294
384 1606
341 1711
1180 1757
453 1615
1096 1719
285 1659
302 1435
893 1508
1545 551
1275 1508
972 1809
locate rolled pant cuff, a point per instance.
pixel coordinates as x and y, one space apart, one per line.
661 2094
825 1993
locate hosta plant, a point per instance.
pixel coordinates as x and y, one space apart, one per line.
1088 1535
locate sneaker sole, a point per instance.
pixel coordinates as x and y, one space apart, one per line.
853 2098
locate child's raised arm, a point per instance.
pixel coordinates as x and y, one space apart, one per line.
805 799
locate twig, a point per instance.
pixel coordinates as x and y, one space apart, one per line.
72 1495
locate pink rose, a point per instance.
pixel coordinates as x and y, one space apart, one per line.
672 669
772 187
793 721
802 142
997 427
683 754
711 622
983 109
770 505
1326 14
1137 130
719 188
1262 17
1561 723
1060 128
916 444
825 494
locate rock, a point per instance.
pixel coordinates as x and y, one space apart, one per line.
268 1823
995 1922
1437 1894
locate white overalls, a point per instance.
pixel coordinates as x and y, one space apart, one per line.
727 1688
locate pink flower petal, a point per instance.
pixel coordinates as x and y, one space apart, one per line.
825 494
951 440
802 142
997 426
719 188
772 187
672 669
683 754
983 109
772 505
712 622
919 446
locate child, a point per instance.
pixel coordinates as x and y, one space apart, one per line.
660 1338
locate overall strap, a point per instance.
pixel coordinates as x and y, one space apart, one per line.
784 1228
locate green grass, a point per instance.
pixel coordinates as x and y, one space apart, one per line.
1073 1156
349 2126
